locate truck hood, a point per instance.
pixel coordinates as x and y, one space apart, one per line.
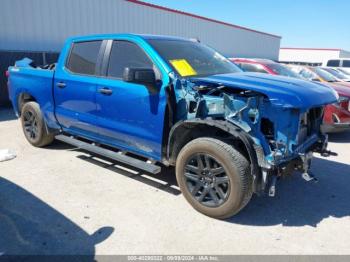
282 91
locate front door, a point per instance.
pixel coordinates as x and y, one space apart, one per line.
130 115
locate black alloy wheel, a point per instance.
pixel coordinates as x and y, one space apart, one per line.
207 180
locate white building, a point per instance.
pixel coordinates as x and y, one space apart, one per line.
310 55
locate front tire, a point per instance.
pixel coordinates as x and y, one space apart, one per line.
34 126
214 177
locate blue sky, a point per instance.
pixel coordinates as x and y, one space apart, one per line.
301 23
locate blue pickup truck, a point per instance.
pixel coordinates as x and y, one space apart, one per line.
157 101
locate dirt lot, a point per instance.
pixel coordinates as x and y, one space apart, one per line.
59 200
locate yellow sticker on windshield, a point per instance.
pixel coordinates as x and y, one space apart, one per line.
183 67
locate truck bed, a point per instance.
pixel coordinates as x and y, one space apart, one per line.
37 81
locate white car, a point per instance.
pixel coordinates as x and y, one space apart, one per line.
305 72
344 71
337 73
342 63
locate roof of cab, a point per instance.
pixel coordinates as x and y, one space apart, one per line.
112 36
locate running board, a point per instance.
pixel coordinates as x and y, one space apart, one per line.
118 156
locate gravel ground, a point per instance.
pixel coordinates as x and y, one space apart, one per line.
59 200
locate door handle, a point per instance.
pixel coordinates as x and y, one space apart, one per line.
105 91
61 85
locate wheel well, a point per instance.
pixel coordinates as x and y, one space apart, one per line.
186 132
22 99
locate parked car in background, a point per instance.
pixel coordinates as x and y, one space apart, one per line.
344 64
308 73
317 74
151 101
337 115
263 66
313 73
341 77
325 76
343 71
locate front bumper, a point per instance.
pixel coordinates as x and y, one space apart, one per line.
313 143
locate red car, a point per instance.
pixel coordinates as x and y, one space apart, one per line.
336 117
264 66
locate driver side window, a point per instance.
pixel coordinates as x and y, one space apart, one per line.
126 54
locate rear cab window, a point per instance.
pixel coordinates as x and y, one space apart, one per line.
333 63
346 63
83 57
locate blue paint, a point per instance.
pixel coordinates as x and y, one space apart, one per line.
132 118
282 91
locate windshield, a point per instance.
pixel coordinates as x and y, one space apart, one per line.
189 58
282 70
325 75
308 74
335 73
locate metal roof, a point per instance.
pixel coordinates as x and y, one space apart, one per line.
199 17
309 48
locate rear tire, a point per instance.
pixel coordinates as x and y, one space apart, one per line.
210 167
33 125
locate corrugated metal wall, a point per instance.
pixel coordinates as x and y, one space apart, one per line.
42 25
344 54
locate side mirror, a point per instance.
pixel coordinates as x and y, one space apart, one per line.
144 76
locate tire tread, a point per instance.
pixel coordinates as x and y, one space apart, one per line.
46 138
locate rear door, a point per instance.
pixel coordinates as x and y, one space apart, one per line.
75 87
130 116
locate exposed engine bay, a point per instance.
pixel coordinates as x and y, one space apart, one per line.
283 146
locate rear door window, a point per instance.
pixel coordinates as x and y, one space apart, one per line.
83 57
333 63
126 54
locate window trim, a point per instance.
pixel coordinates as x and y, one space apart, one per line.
98 66
107 57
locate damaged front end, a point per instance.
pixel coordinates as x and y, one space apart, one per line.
284 129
